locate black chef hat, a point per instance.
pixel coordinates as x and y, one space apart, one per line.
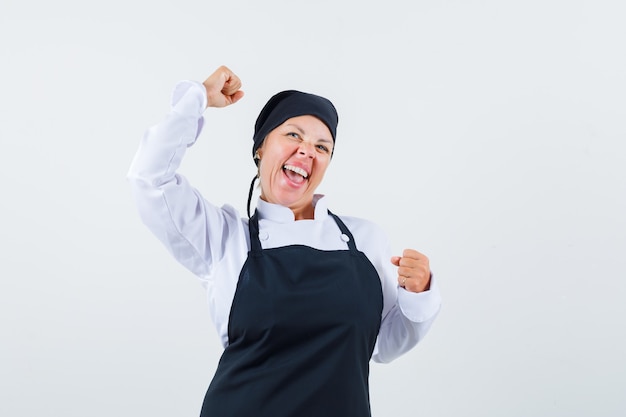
292 103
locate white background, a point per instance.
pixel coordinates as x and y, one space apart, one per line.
489 135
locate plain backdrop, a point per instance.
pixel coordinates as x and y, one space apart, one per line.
489 135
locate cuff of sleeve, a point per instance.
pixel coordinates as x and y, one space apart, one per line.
420 306
189 99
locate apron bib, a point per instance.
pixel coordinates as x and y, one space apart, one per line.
302 329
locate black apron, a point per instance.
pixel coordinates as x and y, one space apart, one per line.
301 333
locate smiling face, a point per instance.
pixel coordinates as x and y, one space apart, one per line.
294 157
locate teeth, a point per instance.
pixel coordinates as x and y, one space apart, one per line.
296 170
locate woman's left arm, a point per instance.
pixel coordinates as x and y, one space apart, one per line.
412 302
408 310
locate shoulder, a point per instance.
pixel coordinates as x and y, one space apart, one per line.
359 226
371 240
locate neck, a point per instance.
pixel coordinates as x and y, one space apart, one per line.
301 211
304 213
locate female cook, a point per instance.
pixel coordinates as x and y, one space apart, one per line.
302 299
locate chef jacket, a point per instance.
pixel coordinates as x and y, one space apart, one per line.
213 242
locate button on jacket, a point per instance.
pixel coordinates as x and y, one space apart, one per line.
213 242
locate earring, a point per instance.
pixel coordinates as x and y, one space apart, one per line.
257 156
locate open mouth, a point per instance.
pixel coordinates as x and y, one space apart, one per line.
295 174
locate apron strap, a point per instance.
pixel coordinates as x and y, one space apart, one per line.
253 229
345 231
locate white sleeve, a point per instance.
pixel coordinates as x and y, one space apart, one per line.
191 229
407 316
407 322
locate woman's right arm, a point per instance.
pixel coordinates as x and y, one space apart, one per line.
192 229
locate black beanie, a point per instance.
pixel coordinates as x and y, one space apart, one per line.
292 103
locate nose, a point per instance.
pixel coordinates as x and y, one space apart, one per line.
307 149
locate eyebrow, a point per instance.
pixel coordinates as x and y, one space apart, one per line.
298 128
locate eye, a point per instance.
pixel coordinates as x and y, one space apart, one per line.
293 135
323 148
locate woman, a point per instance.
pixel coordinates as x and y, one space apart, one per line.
302 299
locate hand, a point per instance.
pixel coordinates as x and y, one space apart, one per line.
222 88
413 270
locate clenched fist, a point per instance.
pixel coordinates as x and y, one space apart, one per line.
413 270
222 88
